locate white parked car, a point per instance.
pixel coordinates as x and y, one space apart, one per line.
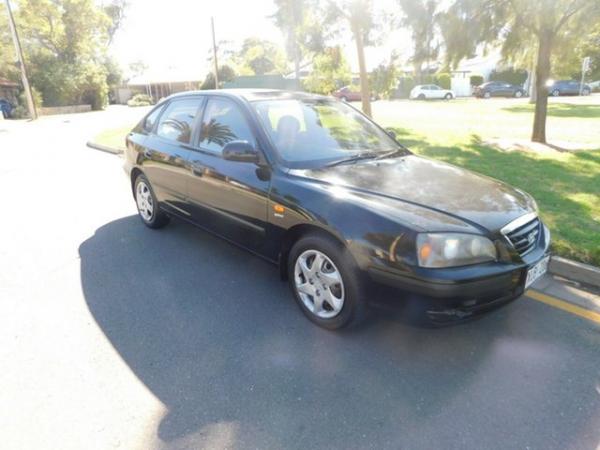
427 91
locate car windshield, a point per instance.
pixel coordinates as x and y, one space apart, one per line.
317 132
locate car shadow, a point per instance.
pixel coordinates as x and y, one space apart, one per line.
215 335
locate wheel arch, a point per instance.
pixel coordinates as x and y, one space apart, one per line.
136 172
293 234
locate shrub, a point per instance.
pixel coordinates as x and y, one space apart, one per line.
405 85
140 100
476 80
511 76
21 111
443 80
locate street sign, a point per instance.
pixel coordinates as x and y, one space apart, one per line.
586 64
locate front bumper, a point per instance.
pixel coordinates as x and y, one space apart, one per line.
452 294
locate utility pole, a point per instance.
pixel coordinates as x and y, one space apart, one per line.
21 62
212 24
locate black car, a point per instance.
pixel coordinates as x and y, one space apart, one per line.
498 89
568 87
346 212
6 108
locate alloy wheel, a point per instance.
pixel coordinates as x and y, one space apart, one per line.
143 198
319 284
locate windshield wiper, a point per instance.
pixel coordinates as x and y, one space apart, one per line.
354 158
391 153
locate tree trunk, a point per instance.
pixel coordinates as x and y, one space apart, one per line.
532 86
365 92
297 66
542 73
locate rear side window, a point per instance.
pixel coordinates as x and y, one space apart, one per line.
223 122
177 121
151 120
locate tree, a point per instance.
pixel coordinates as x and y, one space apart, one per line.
359 17
226 73
8 68
330 71
303 32
115 10
518 25
384 78
260 57
567 63
421 17
65 45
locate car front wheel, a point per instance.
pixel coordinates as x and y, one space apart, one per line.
555 93
585 92
326 283
147 204
487 95
518 94
421 96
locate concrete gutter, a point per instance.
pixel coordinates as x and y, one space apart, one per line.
576 271
104 148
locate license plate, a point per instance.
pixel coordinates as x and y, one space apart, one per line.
536 271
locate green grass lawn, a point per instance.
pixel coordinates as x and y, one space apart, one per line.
565 184
114 137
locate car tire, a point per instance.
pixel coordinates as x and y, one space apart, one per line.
341 302
555 93
487 95
518 94
421 97
585 92
448 97
147 204
344 99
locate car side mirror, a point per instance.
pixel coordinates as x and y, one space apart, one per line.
241 151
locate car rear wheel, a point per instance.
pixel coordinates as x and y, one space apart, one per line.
344 99
585 92
555 93
518 94
448 96
147 204
326 282
487 95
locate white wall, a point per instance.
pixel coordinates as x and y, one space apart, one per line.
461 85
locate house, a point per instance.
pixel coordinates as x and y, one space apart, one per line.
9 90
159 83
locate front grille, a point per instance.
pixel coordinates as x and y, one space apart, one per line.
524 237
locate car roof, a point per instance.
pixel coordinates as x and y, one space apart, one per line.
254 94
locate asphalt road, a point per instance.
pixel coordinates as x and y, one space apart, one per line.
117 336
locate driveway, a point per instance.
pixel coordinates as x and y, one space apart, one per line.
117 336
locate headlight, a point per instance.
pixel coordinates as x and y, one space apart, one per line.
453 249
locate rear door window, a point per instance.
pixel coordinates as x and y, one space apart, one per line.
151 120
177 122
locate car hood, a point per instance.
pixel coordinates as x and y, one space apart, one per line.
475 199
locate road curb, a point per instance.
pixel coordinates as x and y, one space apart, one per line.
576 271
104 148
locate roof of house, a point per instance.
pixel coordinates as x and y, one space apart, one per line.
7 83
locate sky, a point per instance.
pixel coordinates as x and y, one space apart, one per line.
176 34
